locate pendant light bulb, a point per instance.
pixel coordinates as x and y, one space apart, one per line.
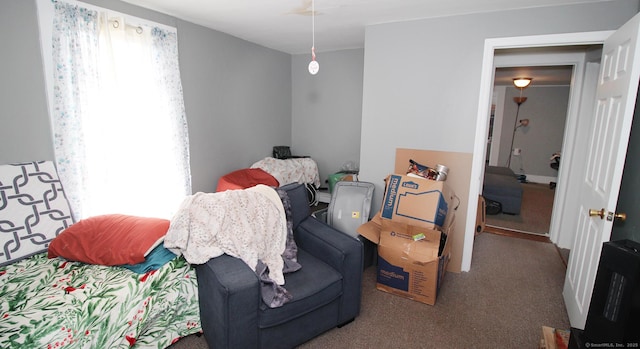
314 66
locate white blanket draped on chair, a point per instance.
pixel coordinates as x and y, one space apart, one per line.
248 224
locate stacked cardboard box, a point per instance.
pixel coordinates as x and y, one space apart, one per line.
481 218
413 232
554 338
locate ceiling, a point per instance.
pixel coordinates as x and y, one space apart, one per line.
542 76
285 25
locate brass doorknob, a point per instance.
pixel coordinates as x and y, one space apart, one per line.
594 212
620 216
610 215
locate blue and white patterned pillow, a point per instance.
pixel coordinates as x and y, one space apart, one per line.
33 209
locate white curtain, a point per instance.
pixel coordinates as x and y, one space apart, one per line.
120 130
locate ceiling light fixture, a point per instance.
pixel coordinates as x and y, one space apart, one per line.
314 66
521 82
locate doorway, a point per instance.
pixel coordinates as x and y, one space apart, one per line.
531 151
564 239
597 163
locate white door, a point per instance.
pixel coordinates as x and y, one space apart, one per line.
600 183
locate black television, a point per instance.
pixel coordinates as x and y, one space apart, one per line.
613 319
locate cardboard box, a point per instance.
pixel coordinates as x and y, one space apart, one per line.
481 218
409 262
416 201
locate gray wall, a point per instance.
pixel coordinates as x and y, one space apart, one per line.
421 78
25 132
546 109
327 109
238 102
237 94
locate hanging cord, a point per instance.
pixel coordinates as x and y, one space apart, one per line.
313 65
313 30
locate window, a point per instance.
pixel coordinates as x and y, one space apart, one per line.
120 130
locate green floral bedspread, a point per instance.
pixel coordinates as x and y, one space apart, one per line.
52 303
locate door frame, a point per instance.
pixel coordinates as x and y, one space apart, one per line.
484 110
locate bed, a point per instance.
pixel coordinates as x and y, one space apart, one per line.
55 302
273 172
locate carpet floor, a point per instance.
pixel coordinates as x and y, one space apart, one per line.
513 289
535 213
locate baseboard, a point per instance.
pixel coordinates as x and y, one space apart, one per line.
541 179
517 234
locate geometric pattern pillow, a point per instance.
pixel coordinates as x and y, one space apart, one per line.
33 209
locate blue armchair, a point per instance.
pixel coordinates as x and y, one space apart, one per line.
326 291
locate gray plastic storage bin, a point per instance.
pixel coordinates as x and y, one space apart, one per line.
349 208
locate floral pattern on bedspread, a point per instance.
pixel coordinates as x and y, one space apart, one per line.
295 170
53 303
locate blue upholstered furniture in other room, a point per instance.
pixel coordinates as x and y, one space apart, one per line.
326 291
502 185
